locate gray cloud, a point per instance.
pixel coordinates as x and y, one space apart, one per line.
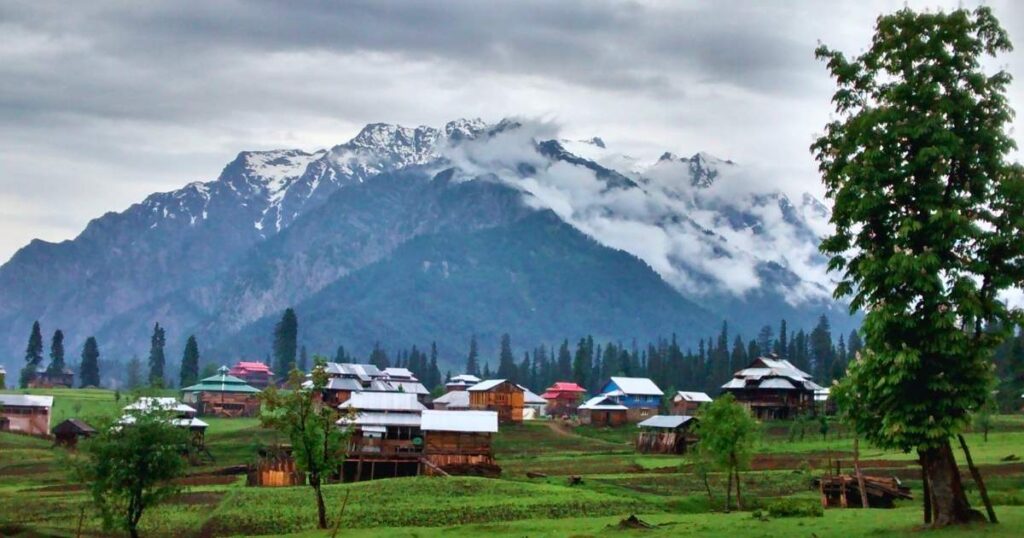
102 103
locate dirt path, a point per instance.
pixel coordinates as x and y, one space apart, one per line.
560 428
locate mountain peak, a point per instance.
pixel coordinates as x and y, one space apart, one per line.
464 129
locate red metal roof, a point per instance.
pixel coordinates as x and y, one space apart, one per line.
565 386
245 367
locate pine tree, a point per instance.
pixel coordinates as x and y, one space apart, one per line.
764 339
156 356
581 364
341 356
738 360
821 349
286 341
56 366
303 359
33 355
434 373
783 340
506 361
89 375
133 373
472 359
853 344
487 371
378 357
564 364
189 363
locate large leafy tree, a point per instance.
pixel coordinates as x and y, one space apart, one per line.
318 443
929 229
131 467
286 341
728 436
89 376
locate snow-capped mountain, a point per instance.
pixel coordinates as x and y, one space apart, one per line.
289 227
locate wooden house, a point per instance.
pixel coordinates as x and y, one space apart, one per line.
603 411
223 395
640 396
344 379
687 403
68 433
26 413
255 373
773 388
179 414
665 434
563 398
386 440
454 400
457 440
403 380
45 379
461 382
500 395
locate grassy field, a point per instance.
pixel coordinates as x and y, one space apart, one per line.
616 482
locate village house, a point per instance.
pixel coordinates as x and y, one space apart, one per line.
457 442
180 415
499 395
68 433
223 395
563 398
773 388
403 380
255 374
534 406
461 382
687 403
602 410
26 413
386 440
640 396
44 379
454 400
665 434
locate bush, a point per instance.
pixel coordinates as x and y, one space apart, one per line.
796 508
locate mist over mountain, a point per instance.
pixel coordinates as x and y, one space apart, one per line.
402 236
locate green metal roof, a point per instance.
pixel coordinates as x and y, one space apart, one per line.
222 382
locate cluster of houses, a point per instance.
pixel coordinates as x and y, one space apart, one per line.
398 430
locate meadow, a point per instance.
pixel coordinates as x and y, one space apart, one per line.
39 498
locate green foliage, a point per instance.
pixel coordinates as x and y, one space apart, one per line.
286 334
129 468
89 376
56 366
928 220
318 444
156 356
728 433
795 507
190 363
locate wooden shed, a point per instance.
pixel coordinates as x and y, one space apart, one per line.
223 395
456 440
665 434
603 411
688 402
26 413
67 433
499 395
254 373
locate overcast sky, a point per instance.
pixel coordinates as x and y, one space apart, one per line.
103 103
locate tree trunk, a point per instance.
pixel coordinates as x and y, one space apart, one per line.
707 486
321 510
728 491
976 474
949 502
926 495
860 475
739 499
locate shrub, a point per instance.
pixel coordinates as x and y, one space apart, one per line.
796 508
